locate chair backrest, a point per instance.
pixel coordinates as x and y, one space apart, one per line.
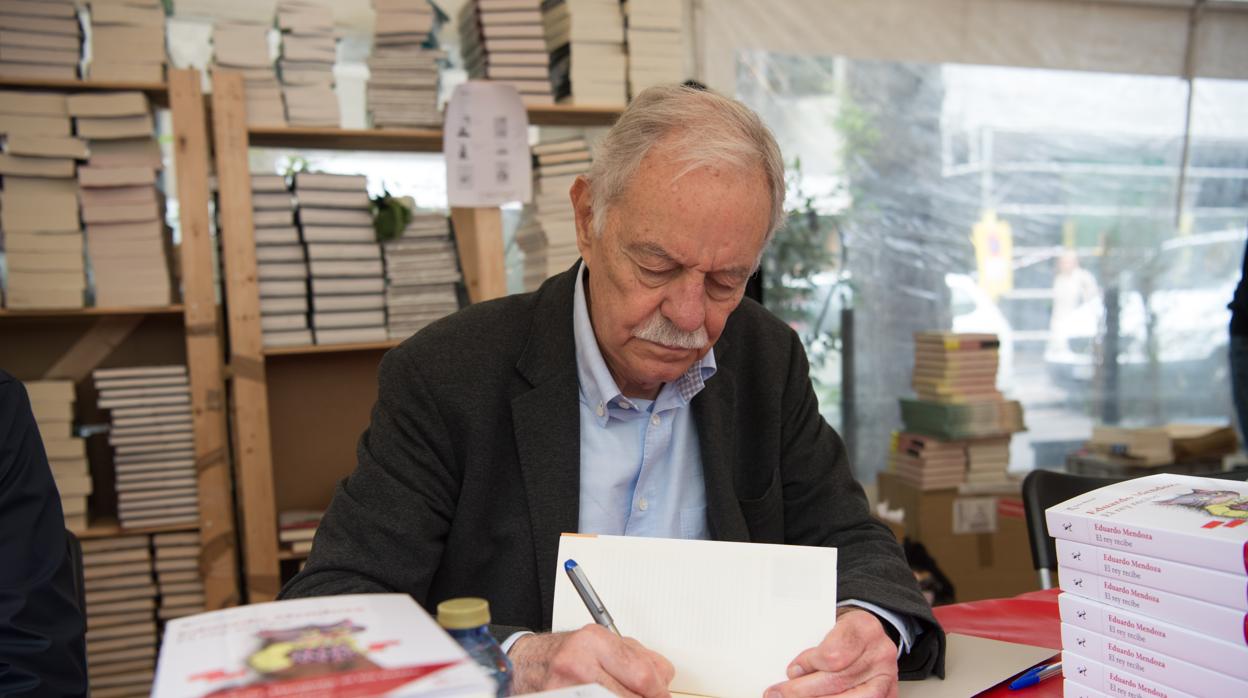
1044 488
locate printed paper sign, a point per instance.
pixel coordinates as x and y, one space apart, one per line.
486 145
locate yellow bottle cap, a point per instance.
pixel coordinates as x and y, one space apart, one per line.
463 614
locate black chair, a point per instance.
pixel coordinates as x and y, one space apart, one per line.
1044 488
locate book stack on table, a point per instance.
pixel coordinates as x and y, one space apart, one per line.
178 582
52 402
1155 587
548 232
280 264
121 625
422 275
40 40
127 40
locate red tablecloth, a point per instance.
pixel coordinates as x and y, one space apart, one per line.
1029 619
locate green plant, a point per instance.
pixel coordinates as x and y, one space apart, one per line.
391 215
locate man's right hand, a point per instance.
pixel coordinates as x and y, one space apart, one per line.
592 654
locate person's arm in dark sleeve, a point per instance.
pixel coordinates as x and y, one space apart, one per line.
42 646
825 506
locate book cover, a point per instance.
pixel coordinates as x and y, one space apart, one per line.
1183 518
363 644
1155 635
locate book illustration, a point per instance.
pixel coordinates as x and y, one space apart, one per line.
1223 504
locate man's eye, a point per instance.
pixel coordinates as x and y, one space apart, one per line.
655 272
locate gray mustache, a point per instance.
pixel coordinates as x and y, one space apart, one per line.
660 330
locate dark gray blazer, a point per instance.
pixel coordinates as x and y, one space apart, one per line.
470 468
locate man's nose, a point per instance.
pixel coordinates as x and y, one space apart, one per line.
685 304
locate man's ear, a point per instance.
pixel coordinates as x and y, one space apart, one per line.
583 214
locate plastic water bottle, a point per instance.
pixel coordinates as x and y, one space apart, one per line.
468 620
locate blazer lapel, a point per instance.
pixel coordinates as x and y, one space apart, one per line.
713 411
547 429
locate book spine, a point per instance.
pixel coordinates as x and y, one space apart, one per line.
1155 635
1112 681
1215 621
1148 664
1214 586
1223 555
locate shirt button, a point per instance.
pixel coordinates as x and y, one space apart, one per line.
654 419
643 504
601 409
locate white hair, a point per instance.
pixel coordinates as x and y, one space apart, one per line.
702 128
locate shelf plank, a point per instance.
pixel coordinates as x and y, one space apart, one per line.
157 91
399 139
331 348
574 115
291 555
176 309
109 528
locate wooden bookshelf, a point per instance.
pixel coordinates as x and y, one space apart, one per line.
158 92
574 115
331 348
109 528
402 140
93 312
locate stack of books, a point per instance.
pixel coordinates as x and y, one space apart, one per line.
955 379
421 275
154 451
297 528
121 206
40 40
504 40
1154 587
178 582
548 233
307 63
403 67
586 43
928 463
39 203
279 261
655 30
344 259
244 48
121 626
52 402
127 40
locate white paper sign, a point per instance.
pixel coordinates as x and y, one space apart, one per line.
975 515
485 140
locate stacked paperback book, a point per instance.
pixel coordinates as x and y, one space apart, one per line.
547 235
244 48
504 41
1155 588
958 430
280 264
39 40
344 259
121 627
656 43
297 528
52 402
177 574
42 237
403 67
307 63
150 432
127 40
586 43
121 206
422 275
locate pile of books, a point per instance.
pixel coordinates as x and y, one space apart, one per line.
39 203
422 274
1154 587
280 264
244 48
547 235
403 67
40 40
121 627
959 405
121 205
296 529
178 582
127 40
154 454
52 402
586 43
306 66
656 43
504 41
344 259
928 463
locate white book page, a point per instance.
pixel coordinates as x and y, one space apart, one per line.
729 616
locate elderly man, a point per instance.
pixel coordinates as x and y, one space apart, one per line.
634 394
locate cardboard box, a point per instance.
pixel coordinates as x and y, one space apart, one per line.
979 541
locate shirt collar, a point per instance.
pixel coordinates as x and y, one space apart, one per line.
598 389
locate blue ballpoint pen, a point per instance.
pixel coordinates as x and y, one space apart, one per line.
1036 675
586 590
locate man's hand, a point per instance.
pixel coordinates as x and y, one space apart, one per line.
592 654
857 659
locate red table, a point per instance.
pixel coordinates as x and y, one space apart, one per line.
1029 619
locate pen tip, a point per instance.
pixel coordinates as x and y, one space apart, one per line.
569 564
